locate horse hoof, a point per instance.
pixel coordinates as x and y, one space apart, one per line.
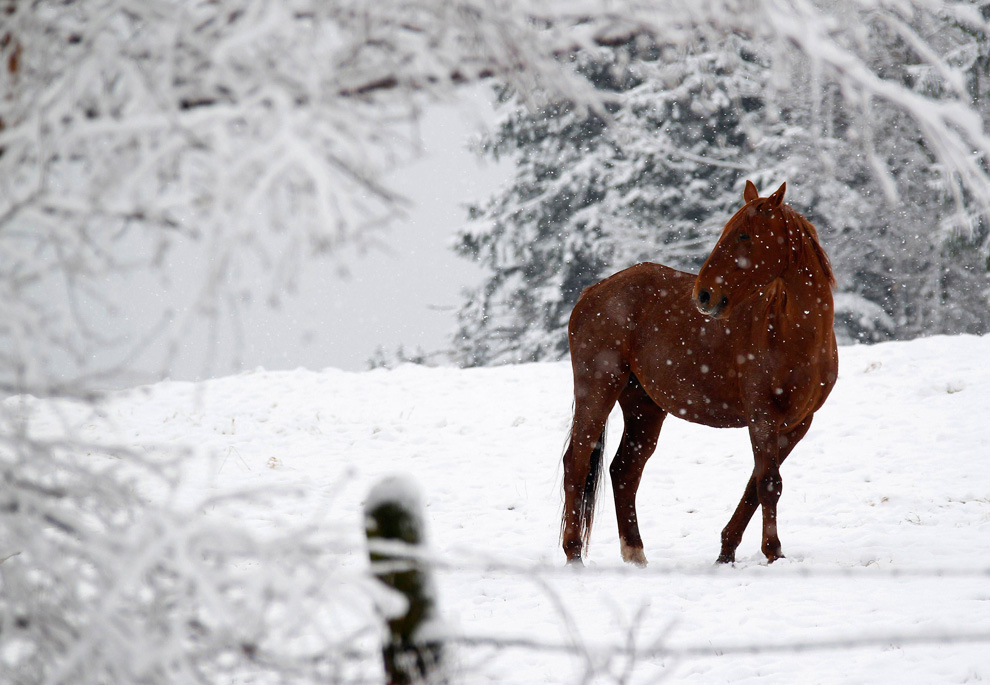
726 558
634 556
576 562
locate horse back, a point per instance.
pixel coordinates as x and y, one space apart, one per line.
615 305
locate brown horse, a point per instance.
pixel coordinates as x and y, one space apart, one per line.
748 342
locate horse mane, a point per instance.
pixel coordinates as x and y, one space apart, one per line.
803 238
810 242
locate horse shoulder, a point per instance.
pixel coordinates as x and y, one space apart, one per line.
799 357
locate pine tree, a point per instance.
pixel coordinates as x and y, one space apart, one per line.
923 257
657 178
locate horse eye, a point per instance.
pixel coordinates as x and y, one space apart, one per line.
743 236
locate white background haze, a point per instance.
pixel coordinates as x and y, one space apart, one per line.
402 292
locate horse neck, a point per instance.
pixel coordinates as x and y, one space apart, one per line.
807 275
807 284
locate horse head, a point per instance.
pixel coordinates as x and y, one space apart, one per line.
758 245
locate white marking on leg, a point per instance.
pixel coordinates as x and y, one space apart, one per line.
633 555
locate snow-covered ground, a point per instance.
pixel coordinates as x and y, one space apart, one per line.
885 517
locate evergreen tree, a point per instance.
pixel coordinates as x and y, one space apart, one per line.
922 259
657 178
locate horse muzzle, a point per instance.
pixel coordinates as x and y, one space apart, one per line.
710 305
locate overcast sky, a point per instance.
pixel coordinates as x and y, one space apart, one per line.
407 294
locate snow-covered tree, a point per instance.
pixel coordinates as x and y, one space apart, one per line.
134 134
658 178
256 131
918 262
591 192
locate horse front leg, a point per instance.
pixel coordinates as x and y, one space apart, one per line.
734 529
769 487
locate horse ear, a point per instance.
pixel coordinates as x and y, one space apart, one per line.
751 193
778 195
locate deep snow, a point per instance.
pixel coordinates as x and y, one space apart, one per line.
885 516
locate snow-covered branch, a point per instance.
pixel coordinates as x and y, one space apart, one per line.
258 132
109 574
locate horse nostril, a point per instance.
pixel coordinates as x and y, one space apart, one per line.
704 297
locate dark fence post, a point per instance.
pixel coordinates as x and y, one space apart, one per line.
394 526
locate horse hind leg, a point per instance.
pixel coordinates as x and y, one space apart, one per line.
643 420
582 477
594 398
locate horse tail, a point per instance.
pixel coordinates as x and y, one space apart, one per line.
596 474
589 496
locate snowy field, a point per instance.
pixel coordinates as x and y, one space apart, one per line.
885 516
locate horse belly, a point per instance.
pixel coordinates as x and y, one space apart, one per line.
684 391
